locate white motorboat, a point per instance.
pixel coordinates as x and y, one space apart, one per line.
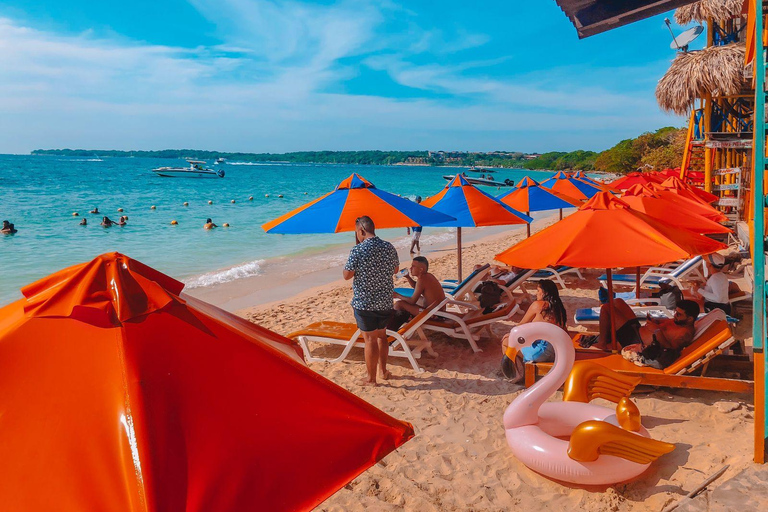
483 181
195 170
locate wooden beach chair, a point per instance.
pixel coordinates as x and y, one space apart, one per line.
712 338
651 277
349 336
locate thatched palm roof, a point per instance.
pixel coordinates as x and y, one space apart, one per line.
700 11
717 70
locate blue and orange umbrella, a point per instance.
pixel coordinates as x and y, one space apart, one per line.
529 196
354 197
471 208
564 183
582 176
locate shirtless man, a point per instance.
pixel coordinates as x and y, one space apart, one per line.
425 285
209 224
672 333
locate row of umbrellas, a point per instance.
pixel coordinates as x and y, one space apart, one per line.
460 204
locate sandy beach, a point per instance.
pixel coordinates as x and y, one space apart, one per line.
460 461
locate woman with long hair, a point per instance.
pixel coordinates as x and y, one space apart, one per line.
546 308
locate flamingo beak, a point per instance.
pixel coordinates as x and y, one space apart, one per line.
508 364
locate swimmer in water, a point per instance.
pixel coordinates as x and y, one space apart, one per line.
95 210
209 224
8 228
84 222
122 221
107 222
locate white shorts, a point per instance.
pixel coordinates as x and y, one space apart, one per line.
415 235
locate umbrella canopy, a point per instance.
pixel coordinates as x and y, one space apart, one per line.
566 184
635 178
119 394
645 200
679 187
471 207
607 233
694 205
582 176
530 196
354 197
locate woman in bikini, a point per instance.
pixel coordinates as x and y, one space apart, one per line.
546 308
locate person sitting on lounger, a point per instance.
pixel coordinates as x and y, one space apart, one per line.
424 285
671 333
714 293
547 308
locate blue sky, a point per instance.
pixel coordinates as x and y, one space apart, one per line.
259 75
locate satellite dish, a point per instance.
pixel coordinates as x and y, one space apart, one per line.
681 41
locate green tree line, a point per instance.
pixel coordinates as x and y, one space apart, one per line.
661 149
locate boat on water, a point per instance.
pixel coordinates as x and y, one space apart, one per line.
221 160
490 182
195 170
474 168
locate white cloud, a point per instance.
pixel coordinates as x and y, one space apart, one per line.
263 89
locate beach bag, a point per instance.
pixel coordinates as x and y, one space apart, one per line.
490 296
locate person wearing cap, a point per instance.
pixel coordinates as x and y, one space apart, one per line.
715 292
415 238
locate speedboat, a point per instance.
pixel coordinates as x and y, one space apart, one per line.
195 170
483 181
221 160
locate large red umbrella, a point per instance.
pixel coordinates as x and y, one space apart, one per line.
643 199
606 233
119 394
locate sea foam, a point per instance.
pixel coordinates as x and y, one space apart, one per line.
224 276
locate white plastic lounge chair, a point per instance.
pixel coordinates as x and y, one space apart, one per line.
349 336
652 276
744 295
641 307
467 325
454 289
556 274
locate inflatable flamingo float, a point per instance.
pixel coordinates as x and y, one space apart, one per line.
574 442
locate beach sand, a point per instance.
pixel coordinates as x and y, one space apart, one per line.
459 459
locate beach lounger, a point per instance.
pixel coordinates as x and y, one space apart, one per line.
349 336
556 274
455 289
712 338
652 276
641 307
468 326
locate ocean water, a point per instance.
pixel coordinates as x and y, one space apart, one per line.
40 193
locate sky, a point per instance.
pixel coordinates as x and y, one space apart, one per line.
278 76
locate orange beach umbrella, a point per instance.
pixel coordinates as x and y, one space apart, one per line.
471 207
678 186
566 184
635 178
606 233
693 204
118 393
643 199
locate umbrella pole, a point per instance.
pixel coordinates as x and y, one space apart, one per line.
612 309
528 225
637 283
561 214
458 246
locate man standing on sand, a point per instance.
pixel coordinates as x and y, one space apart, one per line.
415 239
372 265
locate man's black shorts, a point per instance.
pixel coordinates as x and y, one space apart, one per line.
368 321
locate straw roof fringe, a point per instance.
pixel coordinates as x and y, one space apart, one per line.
700 11
717 70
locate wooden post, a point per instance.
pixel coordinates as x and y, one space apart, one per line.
528 225
637 283
612 309
458 245
561 214
707 151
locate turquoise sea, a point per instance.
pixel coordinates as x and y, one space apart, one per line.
40 193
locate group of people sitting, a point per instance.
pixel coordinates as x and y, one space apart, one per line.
655 341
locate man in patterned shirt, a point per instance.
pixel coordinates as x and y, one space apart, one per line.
372 264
